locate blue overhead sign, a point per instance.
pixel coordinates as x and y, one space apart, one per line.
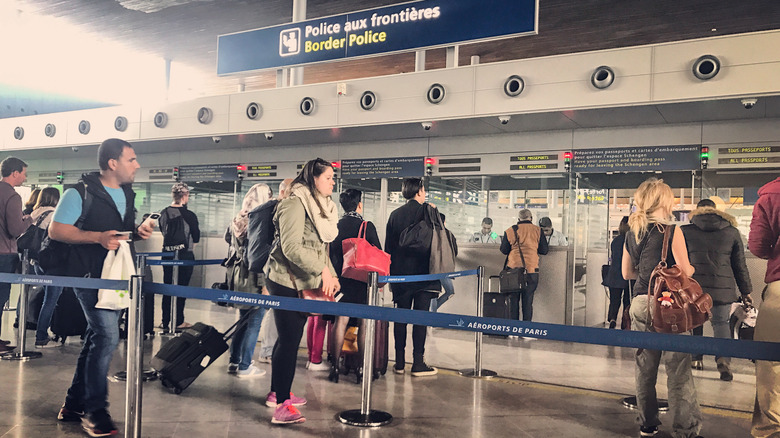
406 26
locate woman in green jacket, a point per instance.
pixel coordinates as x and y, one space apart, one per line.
305 223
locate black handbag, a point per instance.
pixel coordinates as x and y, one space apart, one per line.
32 238
513 279
418 236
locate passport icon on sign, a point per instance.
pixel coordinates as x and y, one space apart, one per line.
290 42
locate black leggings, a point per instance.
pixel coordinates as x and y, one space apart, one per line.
615 293
421 300
289 326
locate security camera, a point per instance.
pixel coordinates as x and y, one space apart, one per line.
749 103
427 125
216 139
269 136
504 119
74 148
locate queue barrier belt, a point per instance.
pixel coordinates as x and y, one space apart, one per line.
589 335
426 277
758 350
184 262
157 254
52 280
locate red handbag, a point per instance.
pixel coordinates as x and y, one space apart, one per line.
361 257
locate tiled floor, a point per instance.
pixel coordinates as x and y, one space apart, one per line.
550 389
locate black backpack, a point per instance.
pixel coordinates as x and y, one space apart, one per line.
32 239
176 230
53 255
260 235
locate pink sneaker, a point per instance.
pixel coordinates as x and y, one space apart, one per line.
270 400
286 413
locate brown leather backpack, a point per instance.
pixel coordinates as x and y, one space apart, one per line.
679 304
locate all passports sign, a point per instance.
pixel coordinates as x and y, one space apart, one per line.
406 26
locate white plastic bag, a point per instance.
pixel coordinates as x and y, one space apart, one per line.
118 265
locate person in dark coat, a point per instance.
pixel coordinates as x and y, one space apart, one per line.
618 286
716 251
352 291
417 295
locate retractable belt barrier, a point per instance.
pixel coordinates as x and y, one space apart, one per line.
184 262
426 277
620 338
52 280
156 254
758 350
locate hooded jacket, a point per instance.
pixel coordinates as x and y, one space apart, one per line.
765 229
715 249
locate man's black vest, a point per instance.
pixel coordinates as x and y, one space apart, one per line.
87 260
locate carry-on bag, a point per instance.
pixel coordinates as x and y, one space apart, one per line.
353 361
68 318
182 359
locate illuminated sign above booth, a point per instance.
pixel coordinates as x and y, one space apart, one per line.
638 159
745 156
405 26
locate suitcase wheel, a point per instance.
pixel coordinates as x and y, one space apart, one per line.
177 391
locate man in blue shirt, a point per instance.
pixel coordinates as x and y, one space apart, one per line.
91 234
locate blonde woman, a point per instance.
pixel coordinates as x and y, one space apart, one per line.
241 279
305 222
644 242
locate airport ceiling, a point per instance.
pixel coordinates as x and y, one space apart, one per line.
185 31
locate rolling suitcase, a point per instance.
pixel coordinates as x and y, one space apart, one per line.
500 305
68 318
352 361
182 359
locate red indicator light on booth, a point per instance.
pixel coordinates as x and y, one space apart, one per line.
241 168
336 164
568 155
430 161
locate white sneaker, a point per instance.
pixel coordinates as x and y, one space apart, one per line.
265 359
250 372
232 368
322 366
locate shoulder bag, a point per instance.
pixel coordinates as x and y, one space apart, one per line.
513 279
361 257
679 304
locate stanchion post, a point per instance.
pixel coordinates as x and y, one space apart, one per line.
365 416
175 272
478 372
134 388
21 336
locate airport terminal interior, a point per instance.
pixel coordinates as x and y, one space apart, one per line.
565 119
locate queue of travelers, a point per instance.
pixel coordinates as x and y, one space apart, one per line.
93 217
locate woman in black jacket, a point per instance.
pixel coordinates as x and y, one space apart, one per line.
716 251
618 286
352 291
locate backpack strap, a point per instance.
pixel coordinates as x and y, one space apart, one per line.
668 230
86 203
42 218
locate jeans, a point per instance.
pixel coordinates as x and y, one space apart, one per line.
242 348
268 334
184 276
51 295
527 296
720 329
7 264
616 296
766 413
683 403
419 300
89 389
449 290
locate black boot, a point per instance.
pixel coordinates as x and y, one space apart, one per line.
334 372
